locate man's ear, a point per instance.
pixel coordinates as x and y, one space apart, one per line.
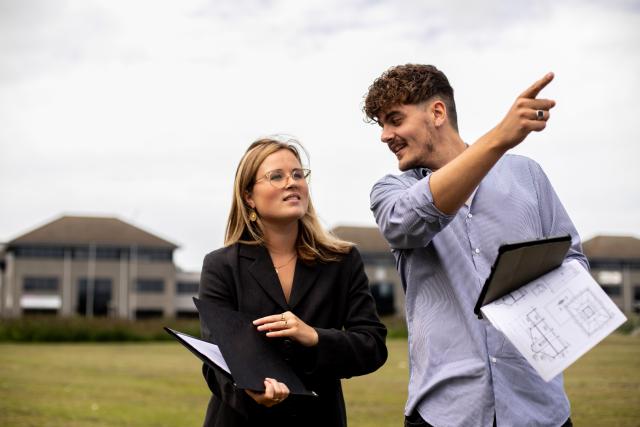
249 200
439 113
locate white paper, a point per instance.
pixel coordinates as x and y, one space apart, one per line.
556 318
208 349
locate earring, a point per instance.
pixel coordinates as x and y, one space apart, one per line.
253 216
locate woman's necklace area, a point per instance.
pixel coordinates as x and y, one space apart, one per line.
285 264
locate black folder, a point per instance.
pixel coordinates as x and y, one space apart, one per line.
519 263
186 341
249 354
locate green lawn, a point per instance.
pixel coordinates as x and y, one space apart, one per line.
159 384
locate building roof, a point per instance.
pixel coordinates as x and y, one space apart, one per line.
84 230
612 247
368 239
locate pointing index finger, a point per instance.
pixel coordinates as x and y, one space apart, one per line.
535 88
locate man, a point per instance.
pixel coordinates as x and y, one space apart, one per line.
445 218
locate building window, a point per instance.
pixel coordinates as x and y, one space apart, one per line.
107 253
40 284
40 303
187 287
612 290
150 286
39 252
154 254
609 277
636 298
383 295
101 296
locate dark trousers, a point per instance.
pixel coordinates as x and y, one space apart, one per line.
415 420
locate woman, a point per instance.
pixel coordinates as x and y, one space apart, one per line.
307 290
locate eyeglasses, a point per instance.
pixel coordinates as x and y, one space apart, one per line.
279 179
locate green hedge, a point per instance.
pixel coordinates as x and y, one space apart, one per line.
55 329
75 329
632 324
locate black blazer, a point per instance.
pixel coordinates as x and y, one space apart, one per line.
332 297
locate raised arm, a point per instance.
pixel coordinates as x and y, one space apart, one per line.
410 210
452 184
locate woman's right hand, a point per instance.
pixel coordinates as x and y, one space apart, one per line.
274 393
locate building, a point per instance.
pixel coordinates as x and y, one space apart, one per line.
614 261
615 265
380 267
92 266
102 266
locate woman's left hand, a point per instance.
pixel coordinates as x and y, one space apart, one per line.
287 325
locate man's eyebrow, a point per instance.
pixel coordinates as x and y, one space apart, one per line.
390 115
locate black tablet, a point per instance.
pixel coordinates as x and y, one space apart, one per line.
519 263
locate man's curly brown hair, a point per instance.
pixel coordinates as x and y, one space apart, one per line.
409 84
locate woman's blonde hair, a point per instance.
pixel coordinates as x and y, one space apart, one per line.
313 242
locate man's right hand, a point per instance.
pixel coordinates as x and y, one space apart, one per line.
522 117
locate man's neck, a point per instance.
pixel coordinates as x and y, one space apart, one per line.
451 147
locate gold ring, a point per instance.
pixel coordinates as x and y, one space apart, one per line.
285 324
282 318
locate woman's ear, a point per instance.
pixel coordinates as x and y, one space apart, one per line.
248 200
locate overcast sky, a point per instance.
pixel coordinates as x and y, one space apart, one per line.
142 109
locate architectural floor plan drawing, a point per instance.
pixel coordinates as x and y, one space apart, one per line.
555 319
513 297
545 343
589 312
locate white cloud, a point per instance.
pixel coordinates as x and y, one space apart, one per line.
142 109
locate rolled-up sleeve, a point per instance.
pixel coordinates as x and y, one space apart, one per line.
404 211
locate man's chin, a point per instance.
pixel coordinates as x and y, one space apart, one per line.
406 165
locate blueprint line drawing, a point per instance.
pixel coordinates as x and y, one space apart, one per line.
545 343
588 312
513 297
554 320
539 288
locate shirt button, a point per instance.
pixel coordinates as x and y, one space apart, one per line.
469 215
477 250
494 360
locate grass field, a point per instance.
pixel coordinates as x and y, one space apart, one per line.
159 384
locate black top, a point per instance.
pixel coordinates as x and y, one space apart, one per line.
332 297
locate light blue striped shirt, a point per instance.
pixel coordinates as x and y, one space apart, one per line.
463 370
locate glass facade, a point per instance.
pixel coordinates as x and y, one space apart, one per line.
33 284
150 286
102 288
187 287
100 252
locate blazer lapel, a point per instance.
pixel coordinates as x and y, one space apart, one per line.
303 280
263 273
